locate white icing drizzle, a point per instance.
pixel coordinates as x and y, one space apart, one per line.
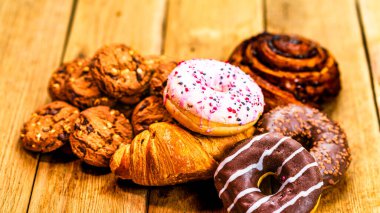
298 196
295 177
258 165
242 194
230 158
288 159
258 204
289 180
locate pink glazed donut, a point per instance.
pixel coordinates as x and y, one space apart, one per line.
212 97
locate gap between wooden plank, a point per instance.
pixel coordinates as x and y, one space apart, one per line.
71 18
368 58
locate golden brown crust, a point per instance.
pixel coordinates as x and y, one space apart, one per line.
166 154
148 111
97 134
295 68
49 127
120 72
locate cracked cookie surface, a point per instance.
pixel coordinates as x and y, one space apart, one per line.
58 80
121 72
97 134
49 127
148 111
82 91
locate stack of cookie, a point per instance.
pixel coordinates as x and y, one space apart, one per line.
93 102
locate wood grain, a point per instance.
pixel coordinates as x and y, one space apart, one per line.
339 31
28 33
67 184
210 29
203 29
369 10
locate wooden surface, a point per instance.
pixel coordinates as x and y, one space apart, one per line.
35 36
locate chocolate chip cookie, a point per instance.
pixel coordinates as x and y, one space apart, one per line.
98 132
162 67
81 90
120 72
57 83
149 111
49 127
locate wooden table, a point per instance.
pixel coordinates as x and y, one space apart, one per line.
37 35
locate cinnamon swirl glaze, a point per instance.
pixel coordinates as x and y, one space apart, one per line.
238 176
289 68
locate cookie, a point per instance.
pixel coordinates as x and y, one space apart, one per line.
161 67
126 109
49 127
57 83
81 90
120 72
149 111
98 132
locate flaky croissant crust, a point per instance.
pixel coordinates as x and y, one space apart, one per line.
166 154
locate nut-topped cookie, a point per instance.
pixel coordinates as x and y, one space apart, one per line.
82 91
148 111
57 83
121 73
97 134
49 127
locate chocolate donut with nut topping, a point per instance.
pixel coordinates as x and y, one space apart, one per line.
324 138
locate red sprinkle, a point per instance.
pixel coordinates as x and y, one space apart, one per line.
186 89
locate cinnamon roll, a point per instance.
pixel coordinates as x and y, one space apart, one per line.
289 68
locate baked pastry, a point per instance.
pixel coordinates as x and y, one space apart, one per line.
120 72
239 176
161 67
82 92
98 132
212 97
58 80
166 154
49 127
289 67
148 111
324 138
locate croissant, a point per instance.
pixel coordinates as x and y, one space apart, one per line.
166 154
289 69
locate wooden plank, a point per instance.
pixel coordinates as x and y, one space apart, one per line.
370 16
203 29
210 29
31 44
66 184
335 25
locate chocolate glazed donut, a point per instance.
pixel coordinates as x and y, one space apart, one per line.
238 176
289 67
324 138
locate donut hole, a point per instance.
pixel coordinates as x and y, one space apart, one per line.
268 183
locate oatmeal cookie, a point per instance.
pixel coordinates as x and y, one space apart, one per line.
149 111
49 127
120 72
97 134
